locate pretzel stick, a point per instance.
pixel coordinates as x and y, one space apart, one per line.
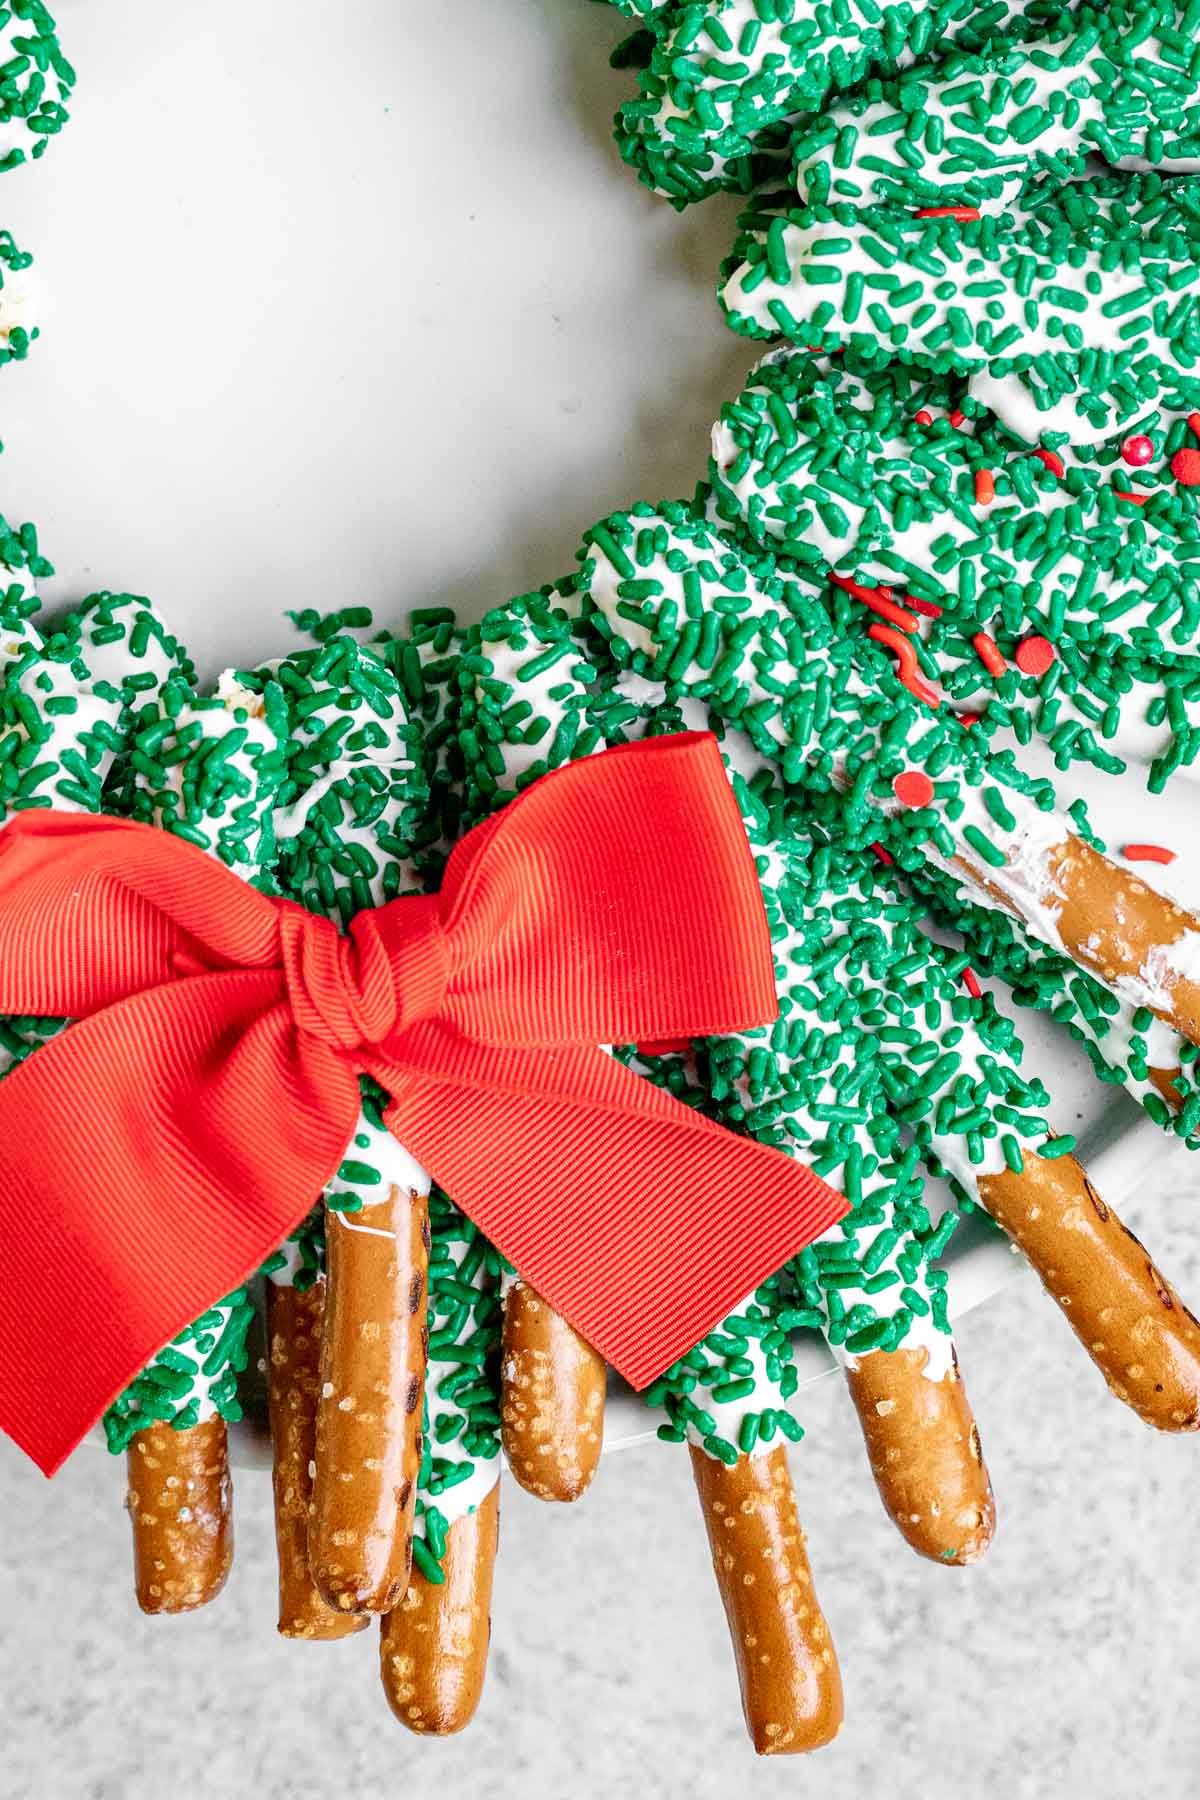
293 1360
179 1507
368 1427
924 1451
1128 1318
433 1647
552 1392
787 1668
1114 925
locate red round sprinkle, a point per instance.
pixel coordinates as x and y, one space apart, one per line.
1034 655
988 652
961 213
924 417
1185 467
913 788
884 855
970 981
1137 451
985 487
1148 853
1054 463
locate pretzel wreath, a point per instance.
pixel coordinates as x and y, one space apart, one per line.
339 776
919 546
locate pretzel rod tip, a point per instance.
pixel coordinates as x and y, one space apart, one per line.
179 1503
925 1453
433 1647
787 1667
552 1399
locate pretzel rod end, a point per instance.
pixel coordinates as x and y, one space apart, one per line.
788 1671
1125 1313
433 1647
179 1504
552 1399
925 1454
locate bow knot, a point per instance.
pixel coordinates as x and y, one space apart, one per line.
356 991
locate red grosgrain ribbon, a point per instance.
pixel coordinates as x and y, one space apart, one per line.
157 1151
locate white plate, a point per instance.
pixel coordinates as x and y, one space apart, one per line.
358 305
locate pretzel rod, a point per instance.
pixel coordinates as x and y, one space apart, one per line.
368 1424
1128 1318
293 1363
211 776
433 1647
552 1392
552 1383
179 1507
924 1450
787 1667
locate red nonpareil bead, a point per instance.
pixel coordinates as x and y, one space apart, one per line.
913 788
1034 655
1137 451
1185 467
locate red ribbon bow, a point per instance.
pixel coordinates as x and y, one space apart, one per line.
154 1154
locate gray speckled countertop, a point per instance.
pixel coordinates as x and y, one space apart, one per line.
1066 1663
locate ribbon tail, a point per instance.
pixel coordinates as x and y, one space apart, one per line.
651 1225
233 1123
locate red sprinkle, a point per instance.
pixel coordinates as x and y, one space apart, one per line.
884 855
913 788
970 981
988 652
969 719
1156 853
1034 655
961 213
1194 423
1134 499
926 607
906 657
958 419
985 487
1185 467
1054 463
1137 451
924 417
879 600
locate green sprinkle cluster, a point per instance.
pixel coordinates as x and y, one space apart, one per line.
830 466
1084 296
35 82
462 1402
720 82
